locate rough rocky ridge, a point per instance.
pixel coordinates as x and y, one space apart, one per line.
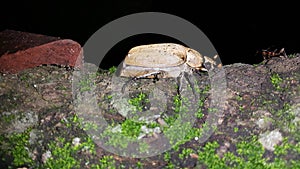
41 124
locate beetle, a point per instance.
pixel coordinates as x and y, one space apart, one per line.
164 60
268 54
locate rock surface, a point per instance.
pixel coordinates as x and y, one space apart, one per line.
58 110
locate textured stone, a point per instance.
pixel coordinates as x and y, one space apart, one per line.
18 55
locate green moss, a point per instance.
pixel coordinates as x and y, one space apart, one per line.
72 120
287 149
16 147
8 118
293 55
177 106
167 158
62 155
235 129
112 69
249 154
105 162
276 81
285 120
109 97
178 134
20 150
180 127
85 84
114 139
87 81
185 153
139 101
177 103
131 128
139 164
239 98
203 94
209 157
88 145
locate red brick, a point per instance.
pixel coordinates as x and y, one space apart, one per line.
12 41
63 52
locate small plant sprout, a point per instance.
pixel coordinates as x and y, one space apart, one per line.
139 101
112 69
276 80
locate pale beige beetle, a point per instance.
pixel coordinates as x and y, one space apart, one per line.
164 60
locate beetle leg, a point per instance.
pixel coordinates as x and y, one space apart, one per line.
210 63
144 76
180 82
282 53
155 79
152 75
191 82
200 71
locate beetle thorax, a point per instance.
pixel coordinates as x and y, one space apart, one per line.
193 58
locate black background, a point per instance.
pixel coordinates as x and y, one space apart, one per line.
237 30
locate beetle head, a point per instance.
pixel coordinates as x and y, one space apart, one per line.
196 61
210 63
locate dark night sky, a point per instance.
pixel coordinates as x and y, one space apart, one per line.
236 30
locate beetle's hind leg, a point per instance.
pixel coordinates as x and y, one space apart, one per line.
190 82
